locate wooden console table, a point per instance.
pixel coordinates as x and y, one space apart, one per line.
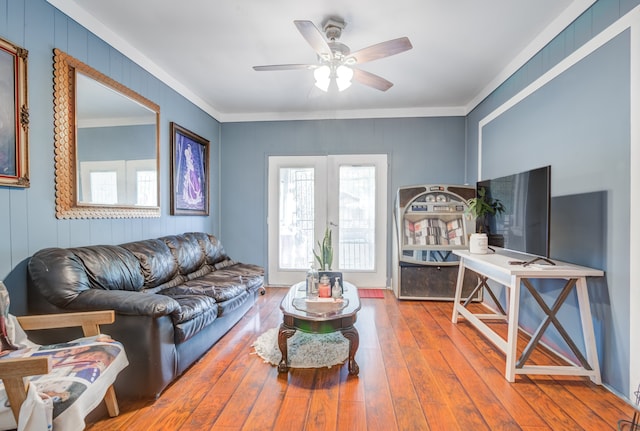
497 267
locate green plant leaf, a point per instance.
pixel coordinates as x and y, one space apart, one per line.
324 255
482 205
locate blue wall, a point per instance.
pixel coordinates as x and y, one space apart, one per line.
127 142
579 123
420 151
27 219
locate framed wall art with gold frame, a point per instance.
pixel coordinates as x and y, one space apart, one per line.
14 116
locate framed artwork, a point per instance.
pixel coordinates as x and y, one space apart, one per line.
189 172
14 116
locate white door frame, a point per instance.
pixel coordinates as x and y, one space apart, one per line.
325 178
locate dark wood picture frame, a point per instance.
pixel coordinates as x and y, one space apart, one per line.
14 116
189 172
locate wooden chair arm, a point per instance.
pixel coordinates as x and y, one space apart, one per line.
14 370
23 367
88 320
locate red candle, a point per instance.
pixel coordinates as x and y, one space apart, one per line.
324 291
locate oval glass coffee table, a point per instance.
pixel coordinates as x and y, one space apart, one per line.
319 317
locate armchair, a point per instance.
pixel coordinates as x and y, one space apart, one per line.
62 366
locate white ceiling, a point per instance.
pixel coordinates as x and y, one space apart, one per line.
205 49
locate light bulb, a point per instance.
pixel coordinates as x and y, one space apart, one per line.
342 85
344 75
322 75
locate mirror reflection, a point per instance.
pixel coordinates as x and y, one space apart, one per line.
116 147
106 142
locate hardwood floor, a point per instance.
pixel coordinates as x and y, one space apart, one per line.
418 371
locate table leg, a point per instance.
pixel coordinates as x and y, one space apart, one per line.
512 328
587 329
284 333
352 335
458 295
551 317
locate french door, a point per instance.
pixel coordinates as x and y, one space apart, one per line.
344 193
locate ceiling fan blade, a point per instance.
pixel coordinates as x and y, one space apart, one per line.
314 37
381 50
368 78
285 67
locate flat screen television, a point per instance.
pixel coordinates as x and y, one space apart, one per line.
524 224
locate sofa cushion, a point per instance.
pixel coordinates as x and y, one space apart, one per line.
186 251
156 261
224 263
110 267
220 288
62 274
196 312
212 248
252 276
232 304
192 306
206 269
175 281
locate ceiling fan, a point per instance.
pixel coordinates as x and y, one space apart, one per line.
335 59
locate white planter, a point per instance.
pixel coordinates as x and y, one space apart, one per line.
479 243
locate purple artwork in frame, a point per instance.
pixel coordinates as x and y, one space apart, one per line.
189 172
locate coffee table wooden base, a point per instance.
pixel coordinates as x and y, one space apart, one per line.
349 332
296 318
283 335
352 335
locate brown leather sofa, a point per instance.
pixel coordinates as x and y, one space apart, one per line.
174 297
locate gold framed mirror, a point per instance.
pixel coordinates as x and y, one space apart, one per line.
107 140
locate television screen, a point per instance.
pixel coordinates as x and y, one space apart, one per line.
524 224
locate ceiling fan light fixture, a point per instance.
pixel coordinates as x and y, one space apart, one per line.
344 75
322 76
335 59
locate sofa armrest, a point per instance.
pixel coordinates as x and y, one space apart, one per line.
89 321
125 302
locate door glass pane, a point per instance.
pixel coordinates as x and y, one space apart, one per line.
296 217
357 217
146 193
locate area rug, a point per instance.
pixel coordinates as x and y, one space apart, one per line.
305 350
371 293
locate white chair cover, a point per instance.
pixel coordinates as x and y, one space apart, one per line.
82 371
36 413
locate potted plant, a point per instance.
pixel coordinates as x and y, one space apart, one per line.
479 207
324 256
